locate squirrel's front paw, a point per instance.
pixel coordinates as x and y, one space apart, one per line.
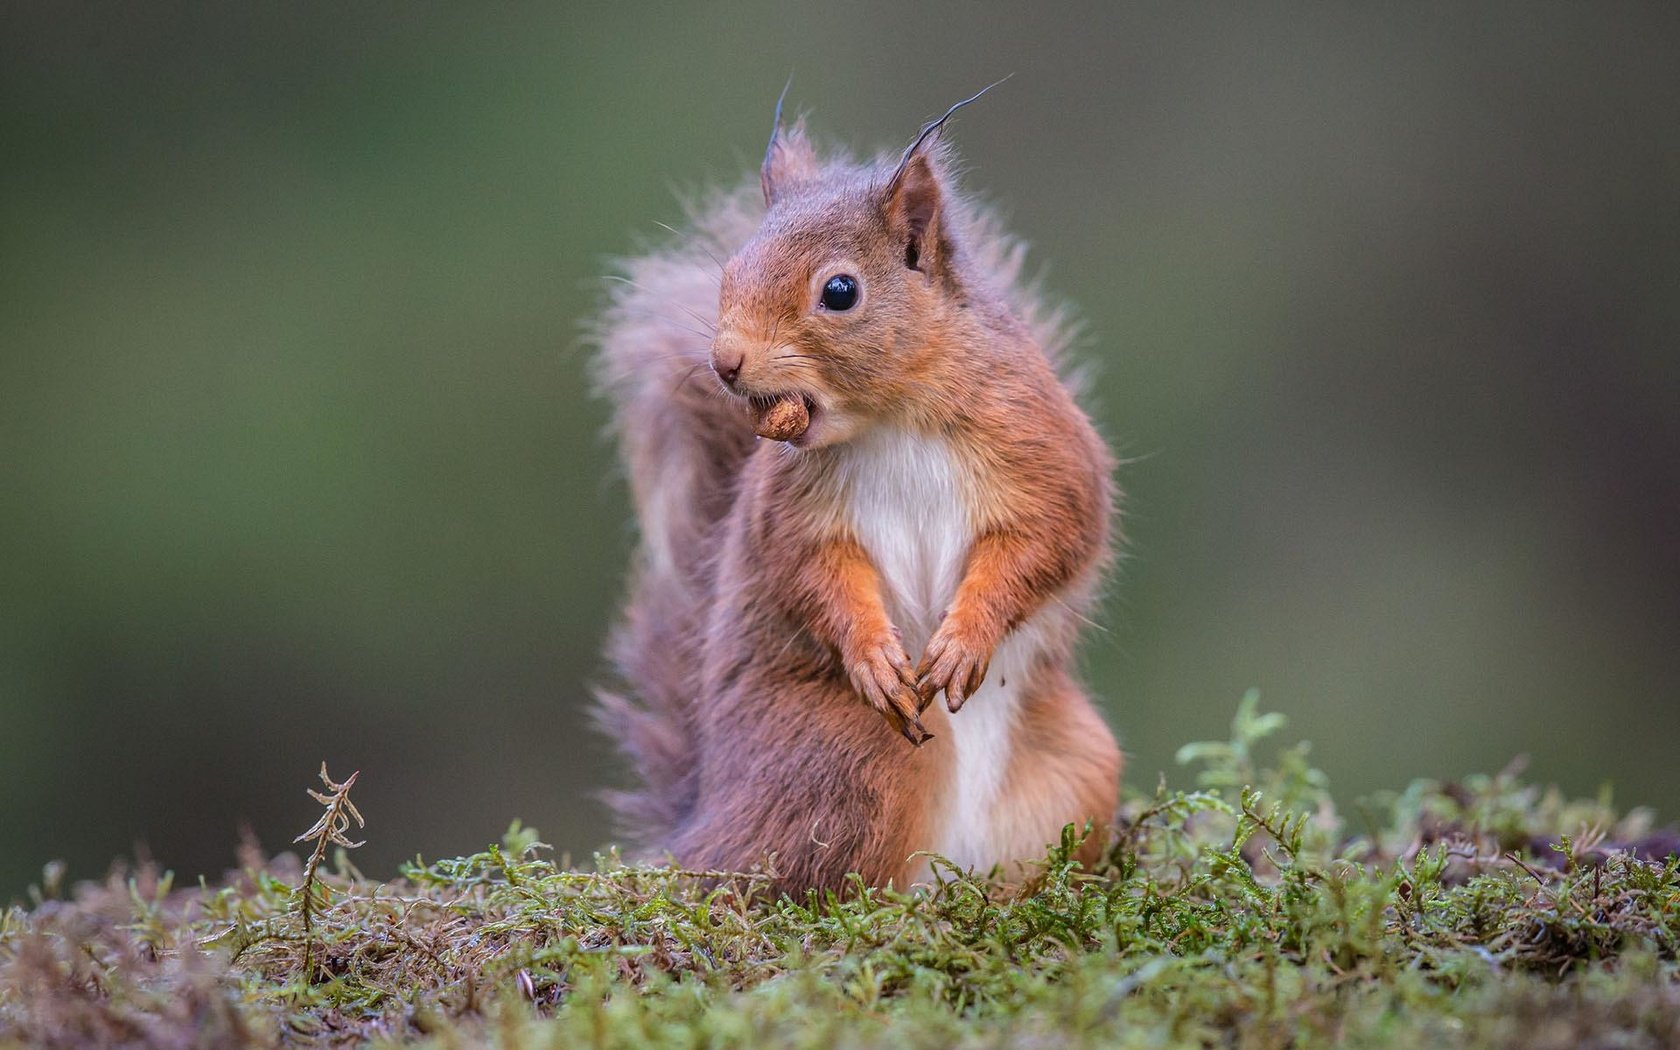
883 676
955 660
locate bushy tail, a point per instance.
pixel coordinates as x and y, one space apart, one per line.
683 443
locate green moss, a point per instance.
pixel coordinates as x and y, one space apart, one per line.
1244 913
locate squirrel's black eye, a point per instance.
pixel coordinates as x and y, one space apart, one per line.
840 293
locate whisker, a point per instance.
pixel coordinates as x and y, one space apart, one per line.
685 354
793 636
672 321
710 326
1079 615
685 377
697 242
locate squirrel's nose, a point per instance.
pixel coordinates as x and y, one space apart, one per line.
727 365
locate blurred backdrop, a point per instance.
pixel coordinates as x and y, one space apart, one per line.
298 458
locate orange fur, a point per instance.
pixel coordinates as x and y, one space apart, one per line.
766 619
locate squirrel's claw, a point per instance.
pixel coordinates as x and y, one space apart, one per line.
916 734
903 718
901 711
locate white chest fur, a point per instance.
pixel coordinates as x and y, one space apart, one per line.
907 496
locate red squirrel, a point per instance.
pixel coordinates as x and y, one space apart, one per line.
935 520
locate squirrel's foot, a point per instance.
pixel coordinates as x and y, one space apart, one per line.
955 661
883 676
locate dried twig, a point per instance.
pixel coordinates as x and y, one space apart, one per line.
329 830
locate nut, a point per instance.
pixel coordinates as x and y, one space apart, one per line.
784 419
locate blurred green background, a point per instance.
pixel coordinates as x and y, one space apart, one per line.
299 459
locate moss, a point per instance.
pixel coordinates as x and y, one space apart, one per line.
1242 912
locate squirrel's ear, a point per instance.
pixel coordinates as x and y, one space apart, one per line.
913 205
916 192
788 159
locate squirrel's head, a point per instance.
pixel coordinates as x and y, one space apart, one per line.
842 295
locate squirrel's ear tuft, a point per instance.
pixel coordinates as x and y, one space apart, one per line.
789 158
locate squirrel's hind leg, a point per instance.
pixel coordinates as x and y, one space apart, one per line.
815 779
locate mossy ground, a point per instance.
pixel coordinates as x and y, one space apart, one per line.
1247 912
